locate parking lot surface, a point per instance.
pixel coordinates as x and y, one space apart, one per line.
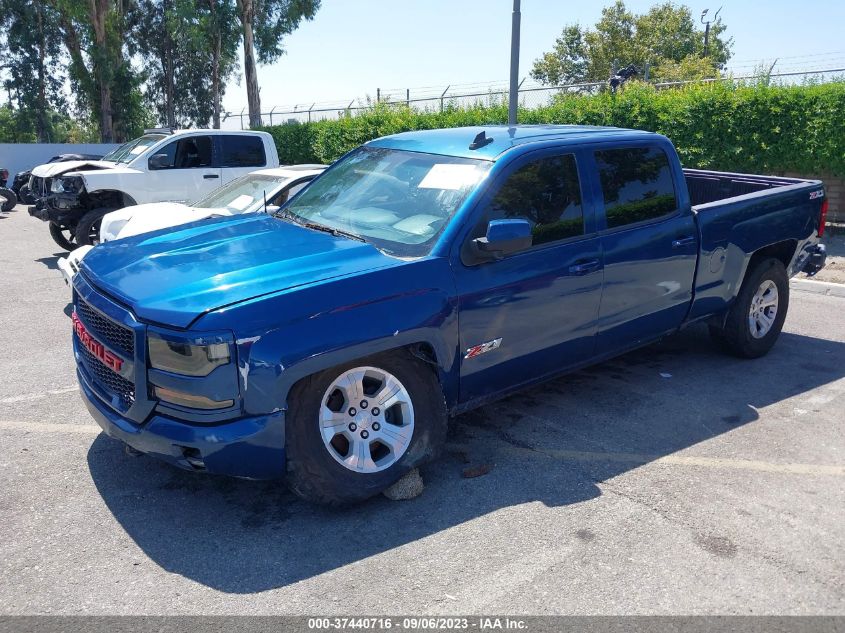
672 480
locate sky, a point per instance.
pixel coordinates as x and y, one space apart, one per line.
353 47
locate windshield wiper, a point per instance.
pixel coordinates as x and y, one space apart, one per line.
332 230
296 219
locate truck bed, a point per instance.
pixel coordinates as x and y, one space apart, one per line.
712 186
740 214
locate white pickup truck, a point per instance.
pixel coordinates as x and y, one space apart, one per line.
262 190
162 166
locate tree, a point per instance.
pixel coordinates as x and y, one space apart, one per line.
31 50
567 63
98 38
217 29
666 37
265 23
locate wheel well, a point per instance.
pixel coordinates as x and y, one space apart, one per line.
110 198
783 251
422 351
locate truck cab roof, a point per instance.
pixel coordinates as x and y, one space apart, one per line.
499 138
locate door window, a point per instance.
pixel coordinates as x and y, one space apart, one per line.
243 151
186 153
636 183
546 192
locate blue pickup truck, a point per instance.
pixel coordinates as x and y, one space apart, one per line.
424 274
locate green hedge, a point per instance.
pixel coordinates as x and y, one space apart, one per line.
759 128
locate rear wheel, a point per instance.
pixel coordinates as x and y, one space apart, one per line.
64 237
88 229
756 318
354 430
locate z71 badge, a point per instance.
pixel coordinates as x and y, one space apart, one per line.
478 350
817 194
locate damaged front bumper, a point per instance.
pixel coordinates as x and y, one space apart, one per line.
58 208
69 266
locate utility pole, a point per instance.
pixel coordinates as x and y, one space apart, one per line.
513 96
706 24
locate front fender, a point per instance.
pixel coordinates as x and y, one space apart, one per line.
302 331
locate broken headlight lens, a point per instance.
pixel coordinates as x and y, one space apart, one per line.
66 184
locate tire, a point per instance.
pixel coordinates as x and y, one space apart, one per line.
58 234
315 468
25 195
8 199
756 317
88 228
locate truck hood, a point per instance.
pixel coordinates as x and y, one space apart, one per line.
54 169
174 276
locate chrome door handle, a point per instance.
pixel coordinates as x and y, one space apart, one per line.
683 241
582 268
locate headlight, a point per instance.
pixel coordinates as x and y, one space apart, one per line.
66 184
189 358
109 229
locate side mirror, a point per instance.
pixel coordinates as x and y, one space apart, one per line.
504 237
159 161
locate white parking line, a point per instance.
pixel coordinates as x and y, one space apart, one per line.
26 397
48 427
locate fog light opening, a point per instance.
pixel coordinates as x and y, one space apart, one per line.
193 457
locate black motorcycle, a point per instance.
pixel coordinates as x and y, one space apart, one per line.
8 198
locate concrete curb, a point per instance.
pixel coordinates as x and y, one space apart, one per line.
818 287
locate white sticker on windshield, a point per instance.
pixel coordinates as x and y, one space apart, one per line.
241 202
138 149
449 176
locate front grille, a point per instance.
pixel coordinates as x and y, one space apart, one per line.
119 338
108 379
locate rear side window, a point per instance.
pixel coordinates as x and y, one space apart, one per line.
243 151
636 183
545 192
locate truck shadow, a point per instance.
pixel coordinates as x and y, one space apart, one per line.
553 444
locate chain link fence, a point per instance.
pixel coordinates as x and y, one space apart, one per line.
531 95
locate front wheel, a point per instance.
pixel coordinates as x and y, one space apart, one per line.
64 237
356 429
756 318
88 229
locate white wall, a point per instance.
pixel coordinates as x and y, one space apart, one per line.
23 156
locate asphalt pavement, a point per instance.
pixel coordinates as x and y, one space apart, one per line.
672 480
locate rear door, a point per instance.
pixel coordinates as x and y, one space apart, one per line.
183 170
649 242
534 312
240 154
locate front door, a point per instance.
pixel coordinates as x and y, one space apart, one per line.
650 247
185 172
532 313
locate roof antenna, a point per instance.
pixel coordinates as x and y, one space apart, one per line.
480 140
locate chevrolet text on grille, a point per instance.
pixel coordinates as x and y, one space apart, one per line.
108 358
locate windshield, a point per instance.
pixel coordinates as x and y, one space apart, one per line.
244 195
129 151
397 200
